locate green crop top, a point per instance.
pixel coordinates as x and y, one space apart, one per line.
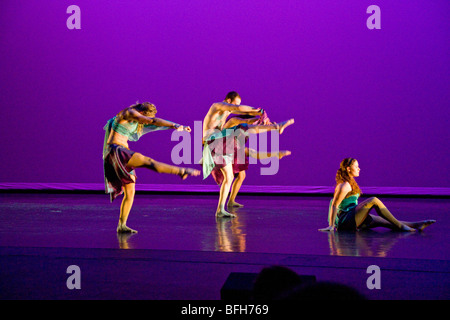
128 130
347 204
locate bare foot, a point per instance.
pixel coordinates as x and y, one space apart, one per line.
283 125
284 153
234 204
223 213
121 228
186 172
423 224
405 228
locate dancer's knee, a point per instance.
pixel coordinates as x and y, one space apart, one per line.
149 161
377 202
369 203
129 191
227 177
152 164
374 201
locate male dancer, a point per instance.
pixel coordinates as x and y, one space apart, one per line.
215 135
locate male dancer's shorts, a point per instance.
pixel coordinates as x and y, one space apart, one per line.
117 172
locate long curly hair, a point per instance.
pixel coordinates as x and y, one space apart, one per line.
147 109
343 176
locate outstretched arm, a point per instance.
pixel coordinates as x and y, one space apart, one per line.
165 123
240 109
339 195
238 120
133 115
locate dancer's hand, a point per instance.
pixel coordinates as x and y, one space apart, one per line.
183 128
329 228
256 112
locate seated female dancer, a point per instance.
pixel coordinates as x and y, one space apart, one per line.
119 161
346 214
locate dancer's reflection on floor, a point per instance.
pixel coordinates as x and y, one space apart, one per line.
231 236
368 243
123 238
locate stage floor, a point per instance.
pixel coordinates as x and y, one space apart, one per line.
268 230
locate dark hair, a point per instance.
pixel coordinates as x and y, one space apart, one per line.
343 176
232 95
147 109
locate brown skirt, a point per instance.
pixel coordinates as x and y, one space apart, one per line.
117 172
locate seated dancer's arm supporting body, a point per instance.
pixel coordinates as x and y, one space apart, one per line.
339 194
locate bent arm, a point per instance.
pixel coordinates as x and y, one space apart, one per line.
131 114
241 109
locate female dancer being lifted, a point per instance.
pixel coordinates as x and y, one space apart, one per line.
346 214
239 169
119 161
222 146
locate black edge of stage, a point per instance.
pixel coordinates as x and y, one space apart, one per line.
37 273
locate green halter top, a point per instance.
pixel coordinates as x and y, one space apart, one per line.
128 129
346 205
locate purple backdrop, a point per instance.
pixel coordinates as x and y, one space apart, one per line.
381 96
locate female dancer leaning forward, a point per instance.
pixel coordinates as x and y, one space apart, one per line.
119 161
346 214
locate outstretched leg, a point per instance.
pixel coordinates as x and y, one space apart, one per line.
265 155
125 208
241 176
138 161
363 209
259 128
378 221
381 222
